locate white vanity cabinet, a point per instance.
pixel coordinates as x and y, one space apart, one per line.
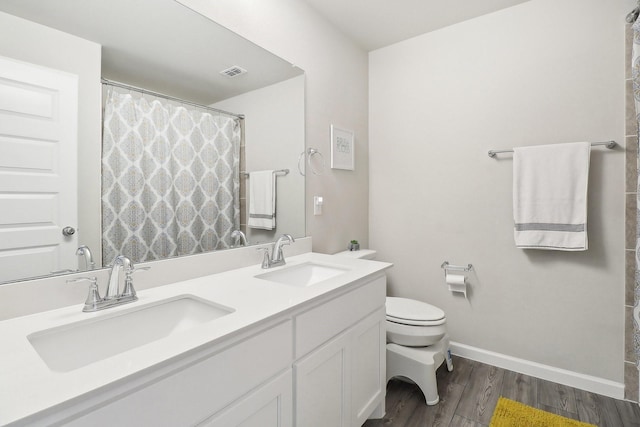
339 374
288 356
245 384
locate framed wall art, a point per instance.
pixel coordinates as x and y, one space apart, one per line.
342 149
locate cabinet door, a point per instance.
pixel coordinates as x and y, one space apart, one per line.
195 391
368 367
323 386
269 406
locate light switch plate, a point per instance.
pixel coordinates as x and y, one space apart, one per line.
317 205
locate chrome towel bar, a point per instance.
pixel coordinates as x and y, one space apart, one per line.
609 144
279 171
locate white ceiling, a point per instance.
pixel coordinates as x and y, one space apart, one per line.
160 45
373 24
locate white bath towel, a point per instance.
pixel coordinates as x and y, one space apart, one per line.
550 196
262 200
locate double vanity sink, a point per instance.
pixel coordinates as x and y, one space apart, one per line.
54 358
72 346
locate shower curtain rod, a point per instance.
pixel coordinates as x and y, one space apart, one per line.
609 144
170 98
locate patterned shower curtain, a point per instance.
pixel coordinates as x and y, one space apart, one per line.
635 76
170 178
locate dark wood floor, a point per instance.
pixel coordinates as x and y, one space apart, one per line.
469 394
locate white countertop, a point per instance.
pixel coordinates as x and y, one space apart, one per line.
28 386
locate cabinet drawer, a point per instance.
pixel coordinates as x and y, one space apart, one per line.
319 324
190 395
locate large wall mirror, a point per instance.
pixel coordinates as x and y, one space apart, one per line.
178 57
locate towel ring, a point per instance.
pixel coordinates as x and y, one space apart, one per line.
309 153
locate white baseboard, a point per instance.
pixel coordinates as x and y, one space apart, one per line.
562 376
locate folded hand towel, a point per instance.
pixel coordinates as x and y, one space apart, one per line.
550 196
262 200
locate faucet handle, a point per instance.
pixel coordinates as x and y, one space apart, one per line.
266 261
133 270
93 298
129 291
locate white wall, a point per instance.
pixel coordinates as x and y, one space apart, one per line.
274 137
37 44
336 93
543 72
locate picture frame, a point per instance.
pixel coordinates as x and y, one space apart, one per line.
342 149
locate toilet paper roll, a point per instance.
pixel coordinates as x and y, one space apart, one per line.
457 283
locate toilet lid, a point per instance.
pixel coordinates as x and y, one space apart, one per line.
410 309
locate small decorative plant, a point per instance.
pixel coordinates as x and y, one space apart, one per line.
354 245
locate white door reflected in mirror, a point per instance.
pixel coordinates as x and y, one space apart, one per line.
38 188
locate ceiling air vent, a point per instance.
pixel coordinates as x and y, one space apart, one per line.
233 71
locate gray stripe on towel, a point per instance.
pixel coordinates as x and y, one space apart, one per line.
527 226
262 216
572 248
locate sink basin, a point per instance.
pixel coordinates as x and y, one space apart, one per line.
73 346
303 275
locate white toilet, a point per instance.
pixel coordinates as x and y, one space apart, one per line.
417 340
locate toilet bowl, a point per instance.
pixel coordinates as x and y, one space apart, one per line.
417 340
414 323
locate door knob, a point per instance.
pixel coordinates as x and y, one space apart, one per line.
68 231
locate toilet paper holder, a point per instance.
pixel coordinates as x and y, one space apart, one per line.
450 267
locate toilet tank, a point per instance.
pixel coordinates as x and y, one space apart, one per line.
361 254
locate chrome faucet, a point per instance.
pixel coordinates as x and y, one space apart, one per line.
113 296
277 257
119 263
84 253
235 234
